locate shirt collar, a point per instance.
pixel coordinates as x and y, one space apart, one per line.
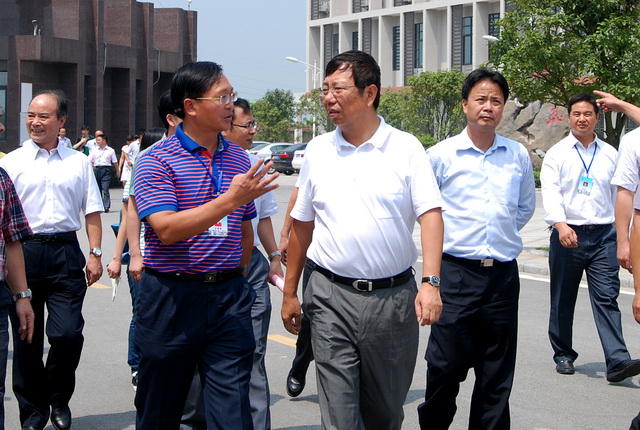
191 145
35 151
575 142
378 139
467 143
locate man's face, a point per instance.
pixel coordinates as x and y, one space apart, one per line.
85 132
100 141
43 123
211 115
484 105
347 107
62 133
583 119
242 136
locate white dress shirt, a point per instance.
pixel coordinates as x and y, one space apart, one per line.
266 206
65 142
365 201
54 188
488 196
102 157
627 173
560 176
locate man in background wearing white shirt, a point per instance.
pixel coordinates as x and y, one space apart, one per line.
578 199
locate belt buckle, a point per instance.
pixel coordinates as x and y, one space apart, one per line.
487 262
368 284
210 278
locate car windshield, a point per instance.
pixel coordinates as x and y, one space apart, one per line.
260 146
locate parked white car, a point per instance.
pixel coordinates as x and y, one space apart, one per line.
265 150
298 158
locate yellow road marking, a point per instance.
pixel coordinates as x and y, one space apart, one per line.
282 339
100 287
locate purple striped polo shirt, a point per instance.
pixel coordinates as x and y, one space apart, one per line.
179 174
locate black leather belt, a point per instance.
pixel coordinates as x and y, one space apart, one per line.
485 262
368 284
589 227
102 167
206 278
54 237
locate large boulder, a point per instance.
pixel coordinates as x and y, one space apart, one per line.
536 125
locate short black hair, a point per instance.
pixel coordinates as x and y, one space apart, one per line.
165 107
484 74
242 104
363 66
103 136
584 97
61 100
84 127
191 81
150 137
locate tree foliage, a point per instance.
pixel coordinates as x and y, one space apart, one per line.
309 107
550 50
430 108
275 115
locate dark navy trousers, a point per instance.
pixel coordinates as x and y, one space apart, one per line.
184 323
595 254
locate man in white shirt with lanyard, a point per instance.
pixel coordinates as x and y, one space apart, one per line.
361 191
578 199
103 157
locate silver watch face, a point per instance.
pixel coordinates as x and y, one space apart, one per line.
97 252
434 280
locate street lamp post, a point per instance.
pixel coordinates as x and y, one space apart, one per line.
316 73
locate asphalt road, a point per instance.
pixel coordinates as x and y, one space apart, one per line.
541 399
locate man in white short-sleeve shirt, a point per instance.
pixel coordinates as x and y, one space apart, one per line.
361 191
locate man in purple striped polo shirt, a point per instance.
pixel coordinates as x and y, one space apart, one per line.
195 193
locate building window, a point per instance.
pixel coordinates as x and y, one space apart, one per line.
335 45
418 46
396 47
3 102
354 40
467 27
494 29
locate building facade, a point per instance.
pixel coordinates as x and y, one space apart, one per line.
112 58
406 37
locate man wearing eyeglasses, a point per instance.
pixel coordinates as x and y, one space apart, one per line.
195 193
361 191
261 268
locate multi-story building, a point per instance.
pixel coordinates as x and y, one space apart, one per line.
112 58
406 37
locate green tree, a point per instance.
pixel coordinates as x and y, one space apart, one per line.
309 107
275 115
430 108
550 50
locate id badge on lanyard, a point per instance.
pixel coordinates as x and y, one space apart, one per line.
585 184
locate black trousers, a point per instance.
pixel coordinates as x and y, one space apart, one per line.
55 274
477 329
304 350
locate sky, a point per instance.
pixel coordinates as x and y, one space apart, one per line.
250 39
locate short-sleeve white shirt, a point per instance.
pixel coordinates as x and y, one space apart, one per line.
54 188
563 166
627 173
266 206
365 201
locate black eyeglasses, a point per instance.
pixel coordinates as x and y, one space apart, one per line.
252 124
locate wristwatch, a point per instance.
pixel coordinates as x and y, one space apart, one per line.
274 254
22 295
96 251
433 280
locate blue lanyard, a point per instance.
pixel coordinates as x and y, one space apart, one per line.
595 148
216 174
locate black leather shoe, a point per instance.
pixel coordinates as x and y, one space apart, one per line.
61 417
294 386
565 367
624 370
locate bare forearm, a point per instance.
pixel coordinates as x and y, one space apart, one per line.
301 234
247 243
94 229
16 275
265 233
431 238
133 227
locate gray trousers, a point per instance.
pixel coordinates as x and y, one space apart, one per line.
365 345
260 317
